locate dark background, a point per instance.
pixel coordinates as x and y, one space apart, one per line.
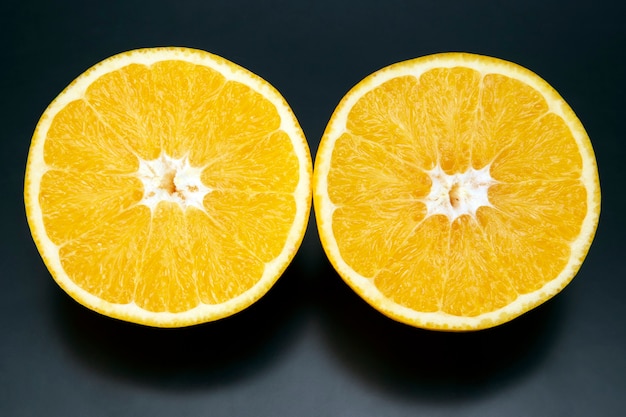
311 347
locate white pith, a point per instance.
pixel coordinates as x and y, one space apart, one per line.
454 195
187 191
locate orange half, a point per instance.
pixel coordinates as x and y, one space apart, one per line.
455 191
168 187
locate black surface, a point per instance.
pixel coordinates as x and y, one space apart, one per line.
311 347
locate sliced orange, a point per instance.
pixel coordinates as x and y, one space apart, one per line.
455 191
168 187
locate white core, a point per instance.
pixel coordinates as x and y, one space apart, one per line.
174 180
458 194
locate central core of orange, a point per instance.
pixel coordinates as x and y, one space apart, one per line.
173 180
458 194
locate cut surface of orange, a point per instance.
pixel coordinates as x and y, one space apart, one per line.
168 187
455 191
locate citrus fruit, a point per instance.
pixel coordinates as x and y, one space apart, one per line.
168 187
455 191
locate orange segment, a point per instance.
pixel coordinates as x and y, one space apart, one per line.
548 146
225 170
93 198
168 187
104 262
226 255
125 100
532 204
455 191
388 115
507 108
401 180
166 279
244 216
449 102
412 277
188 119
78 130
360 228
544 256
475 281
